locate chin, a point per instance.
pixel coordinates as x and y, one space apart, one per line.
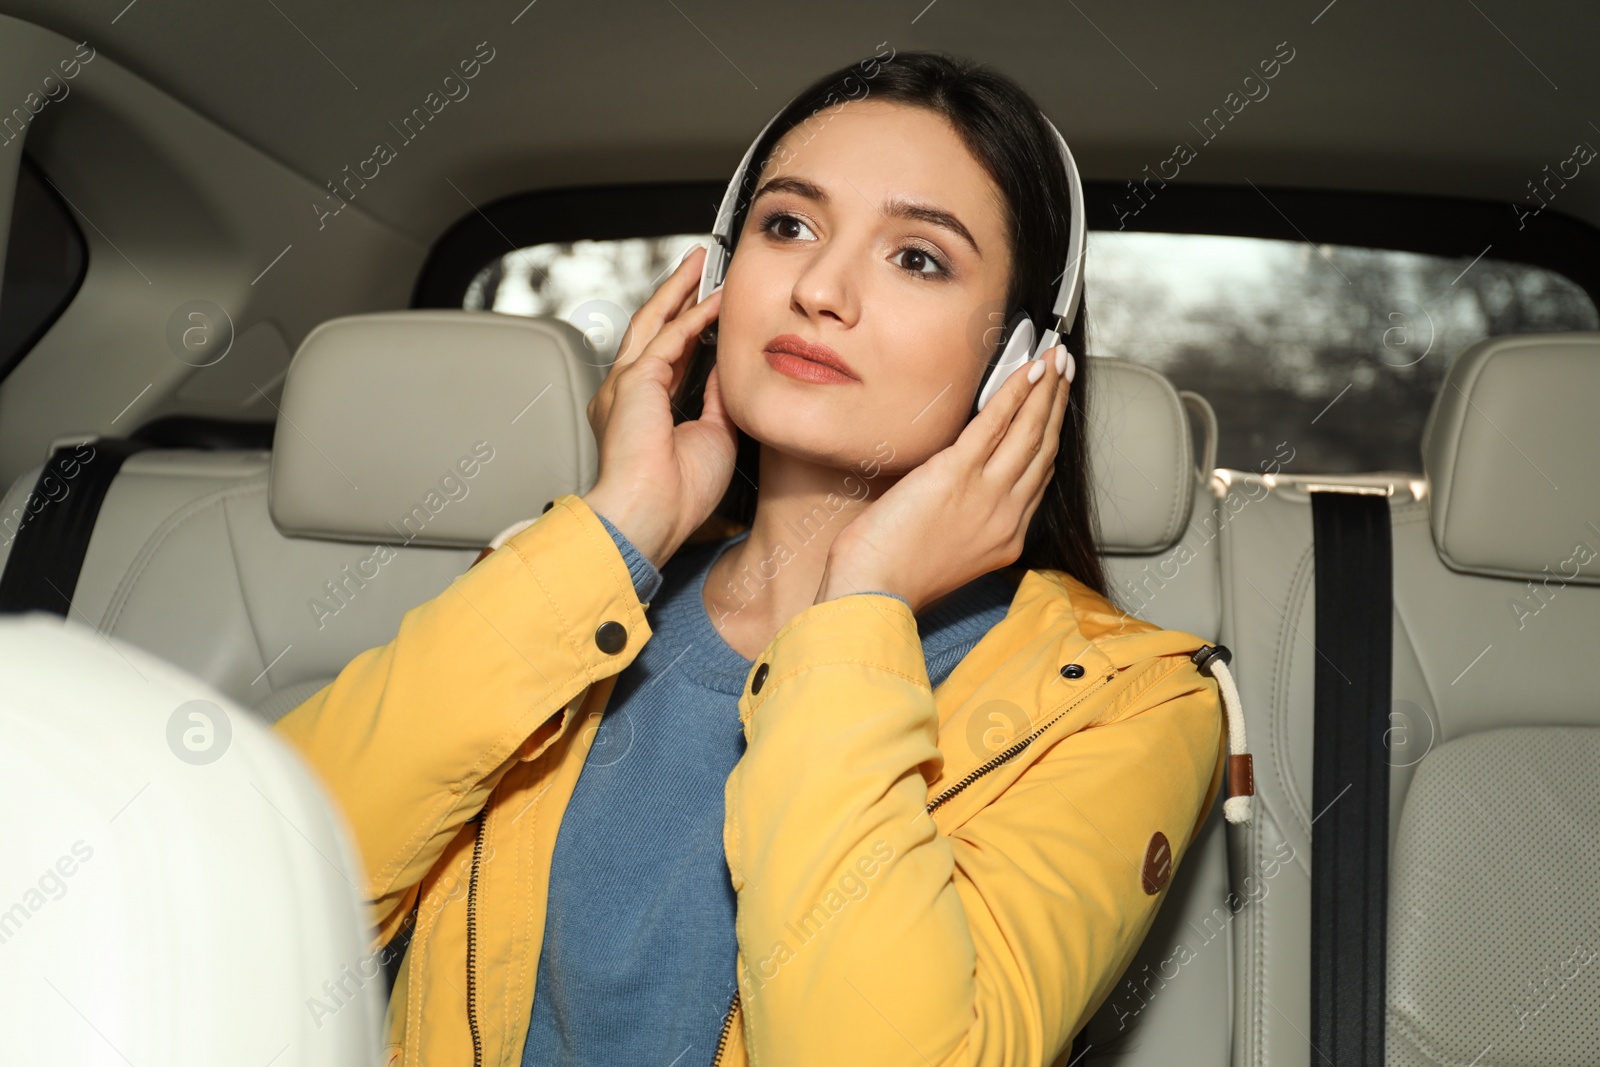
826 434
811 427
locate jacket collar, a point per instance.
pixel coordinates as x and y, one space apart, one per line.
1055 620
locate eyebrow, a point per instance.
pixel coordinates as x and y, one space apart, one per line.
897 208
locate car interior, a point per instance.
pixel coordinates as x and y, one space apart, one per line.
271 273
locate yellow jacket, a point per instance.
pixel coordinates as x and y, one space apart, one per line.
956 876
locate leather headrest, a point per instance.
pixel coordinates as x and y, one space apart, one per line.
431 427
445 427
1142 456
1509 452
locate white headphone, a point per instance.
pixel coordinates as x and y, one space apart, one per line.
1017 346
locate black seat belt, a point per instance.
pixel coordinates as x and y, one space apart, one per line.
52 536
1350 776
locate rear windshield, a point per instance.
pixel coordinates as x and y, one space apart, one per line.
1336 350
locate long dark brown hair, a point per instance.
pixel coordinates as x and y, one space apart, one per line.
1004 129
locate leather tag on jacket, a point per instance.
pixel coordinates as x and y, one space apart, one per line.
1157 863
1241 776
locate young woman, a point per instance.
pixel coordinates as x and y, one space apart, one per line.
882 776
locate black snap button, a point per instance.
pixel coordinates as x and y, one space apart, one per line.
548 504
1072 670
612 637
759 679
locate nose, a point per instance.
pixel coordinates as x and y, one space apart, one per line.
826 286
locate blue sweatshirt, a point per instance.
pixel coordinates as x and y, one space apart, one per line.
639 943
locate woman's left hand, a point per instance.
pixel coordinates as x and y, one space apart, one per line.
964 511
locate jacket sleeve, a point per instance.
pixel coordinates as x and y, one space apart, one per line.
867 934
412 737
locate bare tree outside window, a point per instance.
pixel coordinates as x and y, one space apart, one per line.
595 285
1337 350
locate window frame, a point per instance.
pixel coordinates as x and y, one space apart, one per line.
600 213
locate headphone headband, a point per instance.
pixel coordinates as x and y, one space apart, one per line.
715 268
1070 293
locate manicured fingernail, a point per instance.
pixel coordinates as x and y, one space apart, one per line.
1072 367
1035 370
1061 359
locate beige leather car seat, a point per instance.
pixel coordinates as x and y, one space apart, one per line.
265 573
1493 938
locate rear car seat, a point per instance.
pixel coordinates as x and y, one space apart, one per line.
265 573
1159 521
1493 939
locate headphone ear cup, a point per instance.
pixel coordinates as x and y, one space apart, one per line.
1015 349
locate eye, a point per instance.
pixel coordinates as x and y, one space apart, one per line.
919 260
788 225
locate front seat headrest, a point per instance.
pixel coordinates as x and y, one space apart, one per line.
1508 450
1142 455
431 427
185 880
445 427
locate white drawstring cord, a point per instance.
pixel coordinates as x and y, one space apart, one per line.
1241 776
509 532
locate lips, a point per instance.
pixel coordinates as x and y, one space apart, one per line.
799 358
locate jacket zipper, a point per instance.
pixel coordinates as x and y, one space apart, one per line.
472 941
972 776
1010 751
727 1028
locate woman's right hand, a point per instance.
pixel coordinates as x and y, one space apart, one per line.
658 482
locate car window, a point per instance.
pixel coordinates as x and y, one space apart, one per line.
595 285
45 261
1335 350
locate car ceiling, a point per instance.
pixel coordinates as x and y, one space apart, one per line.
1454 97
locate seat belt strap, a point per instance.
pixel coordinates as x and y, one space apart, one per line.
52 538
1350 776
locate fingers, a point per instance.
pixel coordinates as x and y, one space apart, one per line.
1025 437
671 340
675 295
983 434
662 360
1043 464
676 336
